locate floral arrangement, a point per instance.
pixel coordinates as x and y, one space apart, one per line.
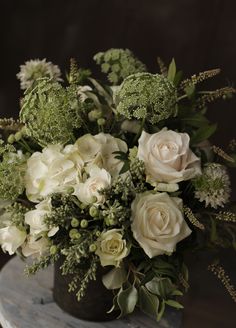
117 174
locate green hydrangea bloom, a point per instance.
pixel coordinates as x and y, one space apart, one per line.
51 113
147 96
12 171
118 64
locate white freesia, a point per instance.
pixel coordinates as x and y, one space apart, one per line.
11 238
90 191
158 223
167 157
99 150
52 170
111 248
35 247
35 219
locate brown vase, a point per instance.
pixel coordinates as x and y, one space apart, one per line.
93 306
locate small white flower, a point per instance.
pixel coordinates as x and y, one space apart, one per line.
89 191
158 223
167 157
11 238
213 186
35 219
82 89
34 69
111 248
35 247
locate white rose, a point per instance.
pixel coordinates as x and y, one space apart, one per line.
35 219
99 150
89 191
158 223
111 248
11 238
35 247
167 157
51 171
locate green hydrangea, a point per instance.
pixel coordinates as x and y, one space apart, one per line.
51 112
147 96
118 64
12 171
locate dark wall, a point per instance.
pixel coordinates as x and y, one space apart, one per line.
199 34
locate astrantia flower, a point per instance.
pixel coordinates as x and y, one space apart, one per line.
34 69
213 186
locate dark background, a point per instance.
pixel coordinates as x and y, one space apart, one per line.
199 34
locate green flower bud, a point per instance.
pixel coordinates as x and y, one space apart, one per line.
74 234
95 115
92 248
101 121
84 223
83 206
11 139
70 190
74 223
98 233
93 211
18 135
53 249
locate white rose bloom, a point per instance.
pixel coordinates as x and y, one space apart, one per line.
35 219
99 150
167 157
11 238
35 247
111 248
158 223
51 171
98 180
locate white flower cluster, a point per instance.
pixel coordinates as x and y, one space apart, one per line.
89 166
35 69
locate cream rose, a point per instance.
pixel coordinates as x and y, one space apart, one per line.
35 219
167 157
53 170
111 248
99 150
158 223
35 247
11 238
89 191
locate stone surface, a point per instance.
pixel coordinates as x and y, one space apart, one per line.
27 302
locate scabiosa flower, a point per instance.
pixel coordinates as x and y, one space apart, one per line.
34 69
213 186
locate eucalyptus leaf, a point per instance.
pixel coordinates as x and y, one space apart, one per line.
160 286
161 310
127 300
149 303
115 278
174 304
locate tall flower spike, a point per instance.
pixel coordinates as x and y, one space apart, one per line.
213 186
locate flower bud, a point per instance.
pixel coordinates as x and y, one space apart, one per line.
11 139
84 223
101 121
92 248
53 249
18 135
74 234
93 211
74 223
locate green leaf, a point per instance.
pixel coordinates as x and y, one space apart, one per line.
190 90
160 286
171 71
177 293
115 278
127 300
174 304
178 77
149 303
196 120
203 133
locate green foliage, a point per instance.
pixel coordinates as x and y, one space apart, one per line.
12 171
147 97
118 64
17 213
51 113
77 75
127 300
